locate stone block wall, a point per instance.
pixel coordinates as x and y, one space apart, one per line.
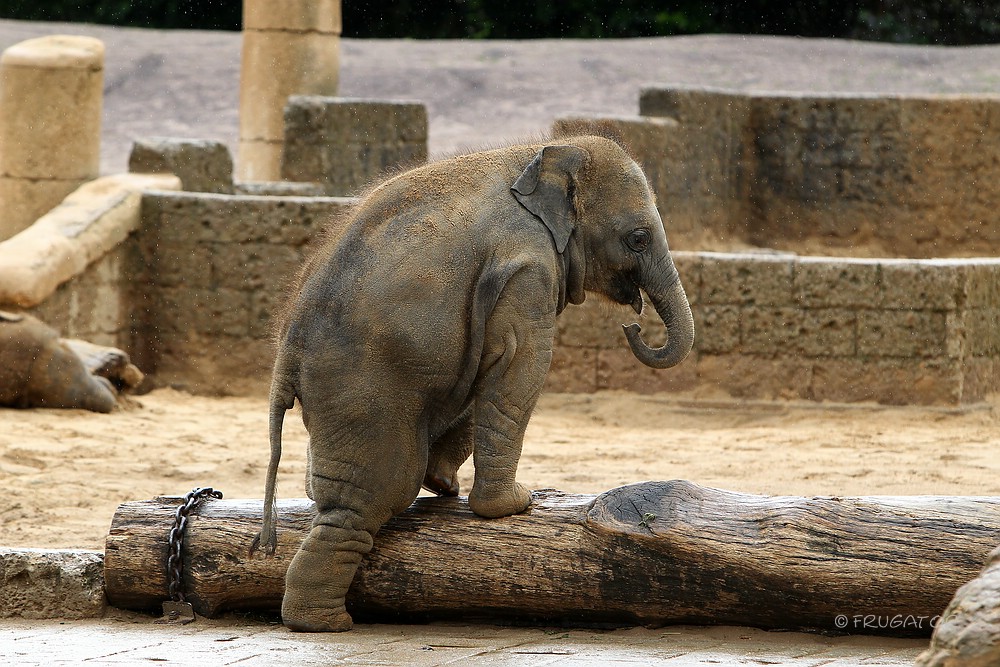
213 270
829 175
816 328
345 143
96 304
192 292
200 164
899 176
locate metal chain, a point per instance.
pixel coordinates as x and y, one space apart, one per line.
175 562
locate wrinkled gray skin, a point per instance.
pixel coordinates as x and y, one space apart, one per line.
38 369
422 335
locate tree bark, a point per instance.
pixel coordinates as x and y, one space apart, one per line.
654 553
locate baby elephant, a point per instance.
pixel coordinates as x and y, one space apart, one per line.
422 332
40 369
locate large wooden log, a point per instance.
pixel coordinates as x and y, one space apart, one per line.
653 553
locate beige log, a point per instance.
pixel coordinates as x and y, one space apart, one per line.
51 97
653 553
289 48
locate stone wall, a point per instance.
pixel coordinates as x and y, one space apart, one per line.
900 176
190 283
769 325
213 269
818 328
73 268
830 175
96 304
344 144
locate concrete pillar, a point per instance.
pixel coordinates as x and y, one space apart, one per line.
51 95
290 47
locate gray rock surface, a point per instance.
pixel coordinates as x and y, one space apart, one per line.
202 165
968 634
346 143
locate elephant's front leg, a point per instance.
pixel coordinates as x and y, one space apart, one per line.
517 354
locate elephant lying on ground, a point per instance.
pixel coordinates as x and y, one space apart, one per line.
422 332
40 369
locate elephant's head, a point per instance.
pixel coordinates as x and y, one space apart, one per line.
595 201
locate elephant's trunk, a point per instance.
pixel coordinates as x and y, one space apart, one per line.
670 301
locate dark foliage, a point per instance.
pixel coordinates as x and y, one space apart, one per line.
196 14
912 21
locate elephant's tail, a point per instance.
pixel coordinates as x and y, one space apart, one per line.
281 400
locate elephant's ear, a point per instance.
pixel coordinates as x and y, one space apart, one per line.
545 188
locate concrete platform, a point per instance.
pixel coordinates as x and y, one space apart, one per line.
131 639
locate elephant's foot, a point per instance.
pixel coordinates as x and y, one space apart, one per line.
313 619
486 502
446 456
318 578
441 483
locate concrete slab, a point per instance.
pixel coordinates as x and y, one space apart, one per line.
130 639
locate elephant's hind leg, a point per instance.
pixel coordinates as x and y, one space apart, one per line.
358 482
447 454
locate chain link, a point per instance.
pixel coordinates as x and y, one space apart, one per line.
175 562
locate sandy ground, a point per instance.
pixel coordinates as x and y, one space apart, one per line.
65 471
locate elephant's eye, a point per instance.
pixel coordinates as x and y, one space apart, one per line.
638 240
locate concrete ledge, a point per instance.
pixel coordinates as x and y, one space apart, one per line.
56 583
61 244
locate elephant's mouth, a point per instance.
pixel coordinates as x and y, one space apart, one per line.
625 291
636 302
